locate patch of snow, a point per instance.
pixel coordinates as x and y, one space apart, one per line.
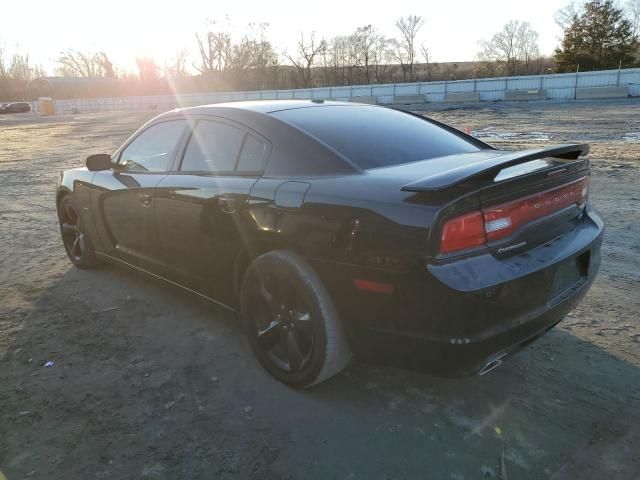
632 137
490 133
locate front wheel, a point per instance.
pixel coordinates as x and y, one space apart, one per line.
74 236
290 320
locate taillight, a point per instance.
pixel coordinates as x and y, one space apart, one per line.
500 221
462 232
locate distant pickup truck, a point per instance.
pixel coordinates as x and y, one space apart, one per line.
16 107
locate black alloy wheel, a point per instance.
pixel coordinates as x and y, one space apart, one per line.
290 320
283 324
75 239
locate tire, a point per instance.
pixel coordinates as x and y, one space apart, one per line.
290 320
75 238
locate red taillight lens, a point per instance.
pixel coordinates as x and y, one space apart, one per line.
462 232
500 221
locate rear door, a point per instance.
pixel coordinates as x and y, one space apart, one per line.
123 197
200 209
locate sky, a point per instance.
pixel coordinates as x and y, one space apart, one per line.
135 28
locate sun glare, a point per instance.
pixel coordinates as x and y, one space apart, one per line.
127 30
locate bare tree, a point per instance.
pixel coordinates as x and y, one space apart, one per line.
240 58
527 43
4 69
147 69
107 66
426 54
345 59
307 53
73 63
516 43
177 67
332 61
633 11
382 57
5 91
214 47
20 68
365 39
566 15
243 62
15 73
405 47
335 57
261 52
263 56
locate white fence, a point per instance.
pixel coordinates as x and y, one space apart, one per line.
556 87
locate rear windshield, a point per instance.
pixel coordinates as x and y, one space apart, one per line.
376 137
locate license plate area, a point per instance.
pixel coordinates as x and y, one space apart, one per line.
569 273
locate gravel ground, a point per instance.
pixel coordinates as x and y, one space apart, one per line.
150 382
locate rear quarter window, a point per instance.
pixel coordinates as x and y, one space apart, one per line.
373 137
253 156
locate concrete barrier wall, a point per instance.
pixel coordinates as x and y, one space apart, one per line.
407 99
365 99
520 95
461 97
602 92
566 86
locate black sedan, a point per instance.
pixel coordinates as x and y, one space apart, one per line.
16 107
333 228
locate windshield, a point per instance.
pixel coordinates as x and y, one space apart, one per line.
374 137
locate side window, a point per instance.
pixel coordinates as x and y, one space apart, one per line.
253 156
153 149
213 147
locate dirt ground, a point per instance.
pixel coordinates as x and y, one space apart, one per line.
150 382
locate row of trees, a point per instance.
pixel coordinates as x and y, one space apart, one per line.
363 56
18 67
597 34
16 71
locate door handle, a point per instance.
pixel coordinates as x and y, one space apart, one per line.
227 204
145 200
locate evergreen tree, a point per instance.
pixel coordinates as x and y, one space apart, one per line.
597 38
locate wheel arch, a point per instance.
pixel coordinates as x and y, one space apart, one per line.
62 192
247 253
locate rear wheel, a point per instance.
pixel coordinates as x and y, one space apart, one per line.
74 236
290 320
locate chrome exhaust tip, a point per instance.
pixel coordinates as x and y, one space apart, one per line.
492 364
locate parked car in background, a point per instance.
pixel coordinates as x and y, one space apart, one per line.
336 227
15 107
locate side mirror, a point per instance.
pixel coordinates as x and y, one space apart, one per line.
99 161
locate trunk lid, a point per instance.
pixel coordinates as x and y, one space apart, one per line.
522 199
495 166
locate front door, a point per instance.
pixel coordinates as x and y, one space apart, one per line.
123 197
201 211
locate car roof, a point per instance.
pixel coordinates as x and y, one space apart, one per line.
264 106
287 141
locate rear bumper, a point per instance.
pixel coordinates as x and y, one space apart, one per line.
454 318
448 358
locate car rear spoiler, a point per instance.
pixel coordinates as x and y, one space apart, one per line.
492 166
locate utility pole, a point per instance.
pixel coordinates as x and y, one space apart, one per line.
619 67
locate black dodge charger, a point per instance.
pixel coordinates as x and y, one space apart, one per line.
333 228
